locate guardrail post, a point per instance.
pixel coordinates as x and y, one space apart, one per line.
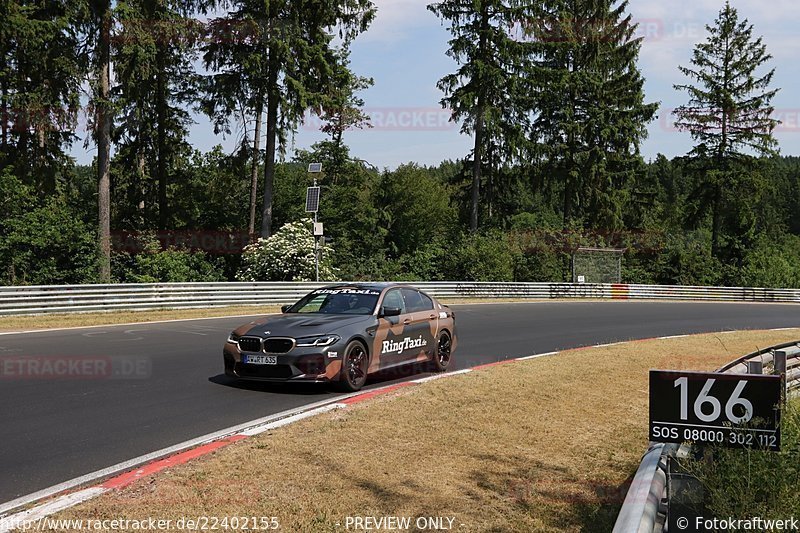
755 367
779 362
779 358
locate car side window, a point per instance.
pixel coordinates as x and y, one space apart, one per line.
425 302
416 301
393 298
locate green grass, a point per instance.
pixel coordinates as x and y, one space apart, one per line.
753 483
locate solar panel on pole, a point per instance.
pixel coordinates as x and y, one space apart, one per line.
312 200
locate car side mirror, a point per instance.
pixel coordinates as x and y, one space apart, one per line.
285 308
390 311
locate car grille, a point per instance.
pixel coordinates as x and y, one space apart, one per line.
250 344
264 371
278 345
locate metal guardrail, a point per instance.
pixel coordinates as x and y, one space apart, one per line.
641 511
39 299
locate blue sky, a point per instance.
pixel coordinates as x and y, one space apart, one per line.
404 51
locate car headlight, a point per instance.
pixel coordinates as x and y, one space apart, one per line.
321 340
233 338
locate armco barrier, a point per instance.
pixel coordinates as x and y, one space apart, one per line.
641 511
38 299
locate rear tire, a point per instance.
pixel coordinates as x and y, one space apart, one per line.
444 350
355 363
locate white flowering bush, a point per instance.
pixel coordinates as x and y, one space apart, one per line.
288 255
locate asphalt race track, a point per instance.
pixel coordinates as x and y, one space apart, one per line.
167 384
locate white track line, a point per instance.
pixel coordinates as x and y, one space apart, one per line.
256 430
535 356
440 376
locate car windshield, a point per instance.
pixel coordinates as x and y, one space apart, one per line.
338 301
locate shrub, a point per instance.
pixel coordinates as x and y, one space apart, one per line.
288 255
482 257
154 265
48 245
686 260
773 264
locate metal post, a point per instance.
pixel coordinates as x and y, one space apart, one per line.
779 358
316 244
312 206
779 362
755 367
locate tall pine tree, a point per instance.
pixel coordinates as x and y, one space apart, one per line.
235 53
729 117
341 110
483 92
284 66
40 76
153 50
590 114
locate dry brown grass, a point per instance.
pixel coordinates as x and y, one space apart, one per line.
541 445
25 323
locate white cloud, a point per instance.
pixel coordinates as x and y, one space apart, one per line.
397 19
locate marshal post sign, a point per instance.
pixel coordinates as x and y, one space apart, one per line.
731 410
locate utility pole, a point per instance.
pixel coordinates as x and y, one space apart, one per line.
312 206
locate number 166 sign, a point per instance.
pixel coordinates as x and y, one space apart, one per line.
732 410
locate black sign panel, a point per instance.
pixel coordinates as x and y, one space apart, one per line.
731 410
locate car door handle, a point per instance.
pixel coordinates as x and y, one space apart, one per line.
432 317
407 321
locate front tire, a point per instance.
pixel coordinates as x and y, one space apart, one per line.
444 351
354 367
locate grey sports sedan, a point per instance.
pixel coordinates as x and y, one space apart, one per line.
343 333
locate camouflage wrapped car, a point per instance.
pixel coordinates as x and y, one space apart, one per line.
342 334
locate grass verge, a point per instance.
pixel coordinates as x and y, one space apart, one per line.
67 320
542 445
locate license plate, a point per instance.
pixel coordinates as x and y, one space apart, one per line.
260 359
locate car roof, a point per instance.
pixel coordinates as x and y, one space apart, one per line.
375 286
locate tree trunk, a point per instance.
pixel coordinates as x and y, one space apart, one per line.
567 197
722 166
476 171
4 112
251 228
490 182
161 141
716 220
141 175
272 133
479 112
338 160
104 143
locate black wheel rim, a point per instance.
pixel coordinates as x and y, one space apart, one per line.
444 349
357 365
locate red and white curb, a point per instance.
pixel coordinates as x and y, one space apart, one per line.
123 474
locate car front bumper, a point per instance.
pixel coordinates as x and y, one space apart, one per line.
310 364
